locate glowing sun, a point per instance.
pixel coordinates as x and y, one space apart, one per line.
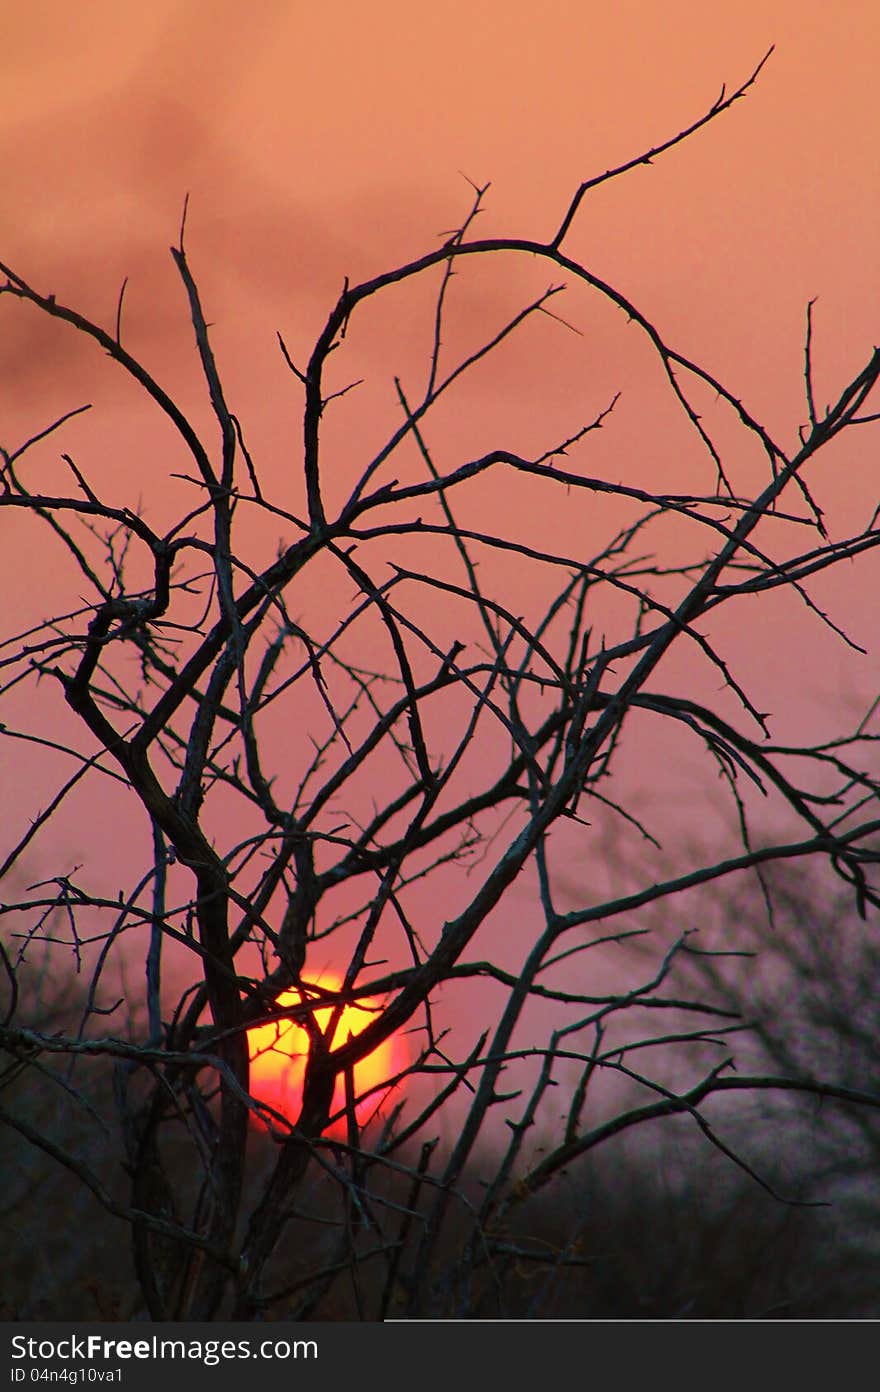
278 1054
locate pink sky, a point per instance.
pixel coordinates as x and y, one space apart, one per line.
319 142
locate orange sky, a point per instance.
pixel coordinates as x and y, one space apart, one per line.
317 142
323 140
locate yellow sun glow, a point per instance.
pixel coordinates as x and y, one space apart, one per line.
278 1054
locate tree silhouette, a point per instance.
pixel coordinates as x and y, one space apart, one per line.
364 789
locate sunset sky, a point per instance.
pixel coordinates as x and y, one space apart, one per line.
322 141
527 757
319 142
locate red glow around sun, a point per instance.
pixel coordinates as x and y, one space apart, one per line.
278 1054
